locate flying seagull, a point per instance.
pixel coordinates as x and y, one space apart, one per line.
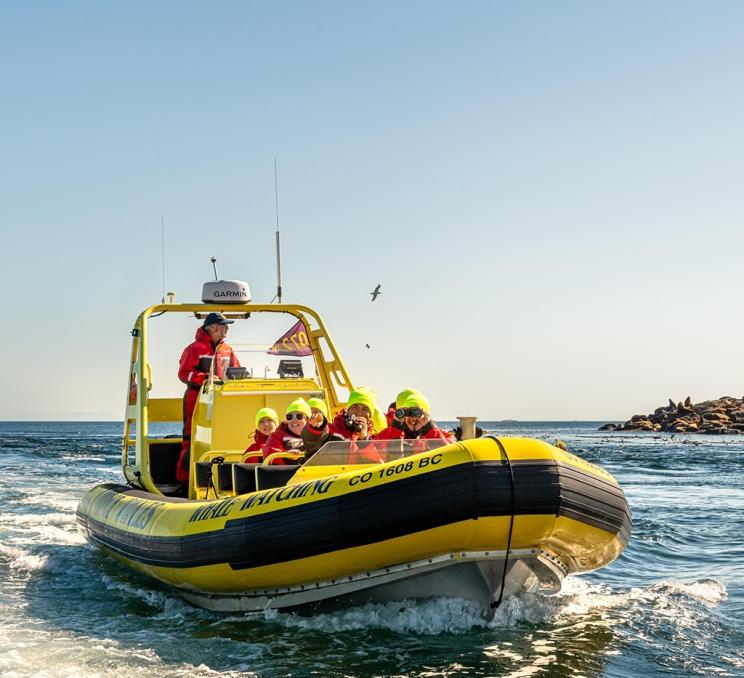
367 345
375 293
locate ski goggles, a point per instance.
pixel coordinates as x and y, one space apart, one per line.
403 412
294 415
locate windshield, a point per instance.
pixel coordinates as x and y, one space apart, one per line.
268 345
252 361
346 452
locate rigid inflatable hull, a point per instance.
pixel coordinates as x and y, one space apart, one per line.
458 521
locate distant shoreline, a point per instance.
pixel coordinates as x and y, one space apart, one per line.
490 421
722 416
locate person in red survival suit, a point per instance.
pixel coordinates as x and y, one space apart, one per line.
354 423
417 422
196 361
267 421
395 406
288 437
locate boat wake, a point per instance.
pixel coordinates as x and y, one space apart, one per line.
578 600
20 560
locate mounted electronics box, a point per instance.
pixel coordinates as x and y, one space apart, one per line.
226 292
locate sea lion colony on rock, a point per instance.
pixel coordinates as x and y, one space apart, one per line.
722 416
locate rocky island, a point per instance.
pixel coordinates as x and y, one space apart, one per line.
721 416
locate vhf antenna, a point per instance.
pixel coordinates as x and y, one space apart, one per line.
278 250
162 251
214 266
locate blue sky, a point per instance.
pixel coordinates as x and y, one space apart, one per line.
550 193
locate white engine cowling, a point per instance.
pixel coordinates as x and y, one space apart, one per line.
226 292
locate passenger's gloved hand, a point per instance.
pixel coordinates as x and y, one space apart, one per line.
317 420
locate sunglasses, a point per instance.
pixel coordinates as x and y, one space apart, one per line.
295 415
403 412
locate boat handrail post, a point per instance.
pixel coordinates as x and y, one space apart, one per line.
467 426
131 400
143 385
145 381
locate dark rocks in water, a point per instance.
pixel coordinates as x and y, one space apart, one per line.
715 417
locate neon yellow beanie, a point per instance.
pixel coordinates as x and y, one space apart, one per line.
362 396
267 413
379 421
299 405
401 397
417 400
319 404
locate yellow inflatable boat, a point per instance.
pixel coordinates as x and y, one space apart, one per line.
479 519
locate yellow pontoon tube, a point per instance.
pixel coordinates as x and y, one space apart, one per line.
479 519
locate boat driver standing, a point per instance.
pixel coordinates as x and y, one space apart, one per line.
196 362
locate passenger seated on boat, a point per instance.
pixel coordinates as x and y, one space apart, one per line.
193 370
288 436
390 414
318 406
416 422
355 422
394 406
267 421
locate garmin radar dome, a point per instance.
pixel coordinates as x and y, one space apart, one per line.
226 292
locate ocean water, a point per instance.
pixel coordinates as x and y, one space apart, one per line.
672 604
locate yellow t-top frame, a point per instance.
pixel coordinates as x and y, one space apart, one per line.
223 416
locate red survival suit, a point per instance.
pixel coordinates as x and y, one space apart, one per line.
390 414
315 438
196 360
253 453
283 440
429 431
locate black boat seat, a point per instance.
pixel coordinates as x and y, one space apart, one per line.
244 478
164 456
225 476
222 473
202 473
273 476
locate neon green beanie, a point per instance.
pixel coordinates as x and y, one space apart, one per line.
379 421
362 396
299 405
417 400
319 404
401 397
267 413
